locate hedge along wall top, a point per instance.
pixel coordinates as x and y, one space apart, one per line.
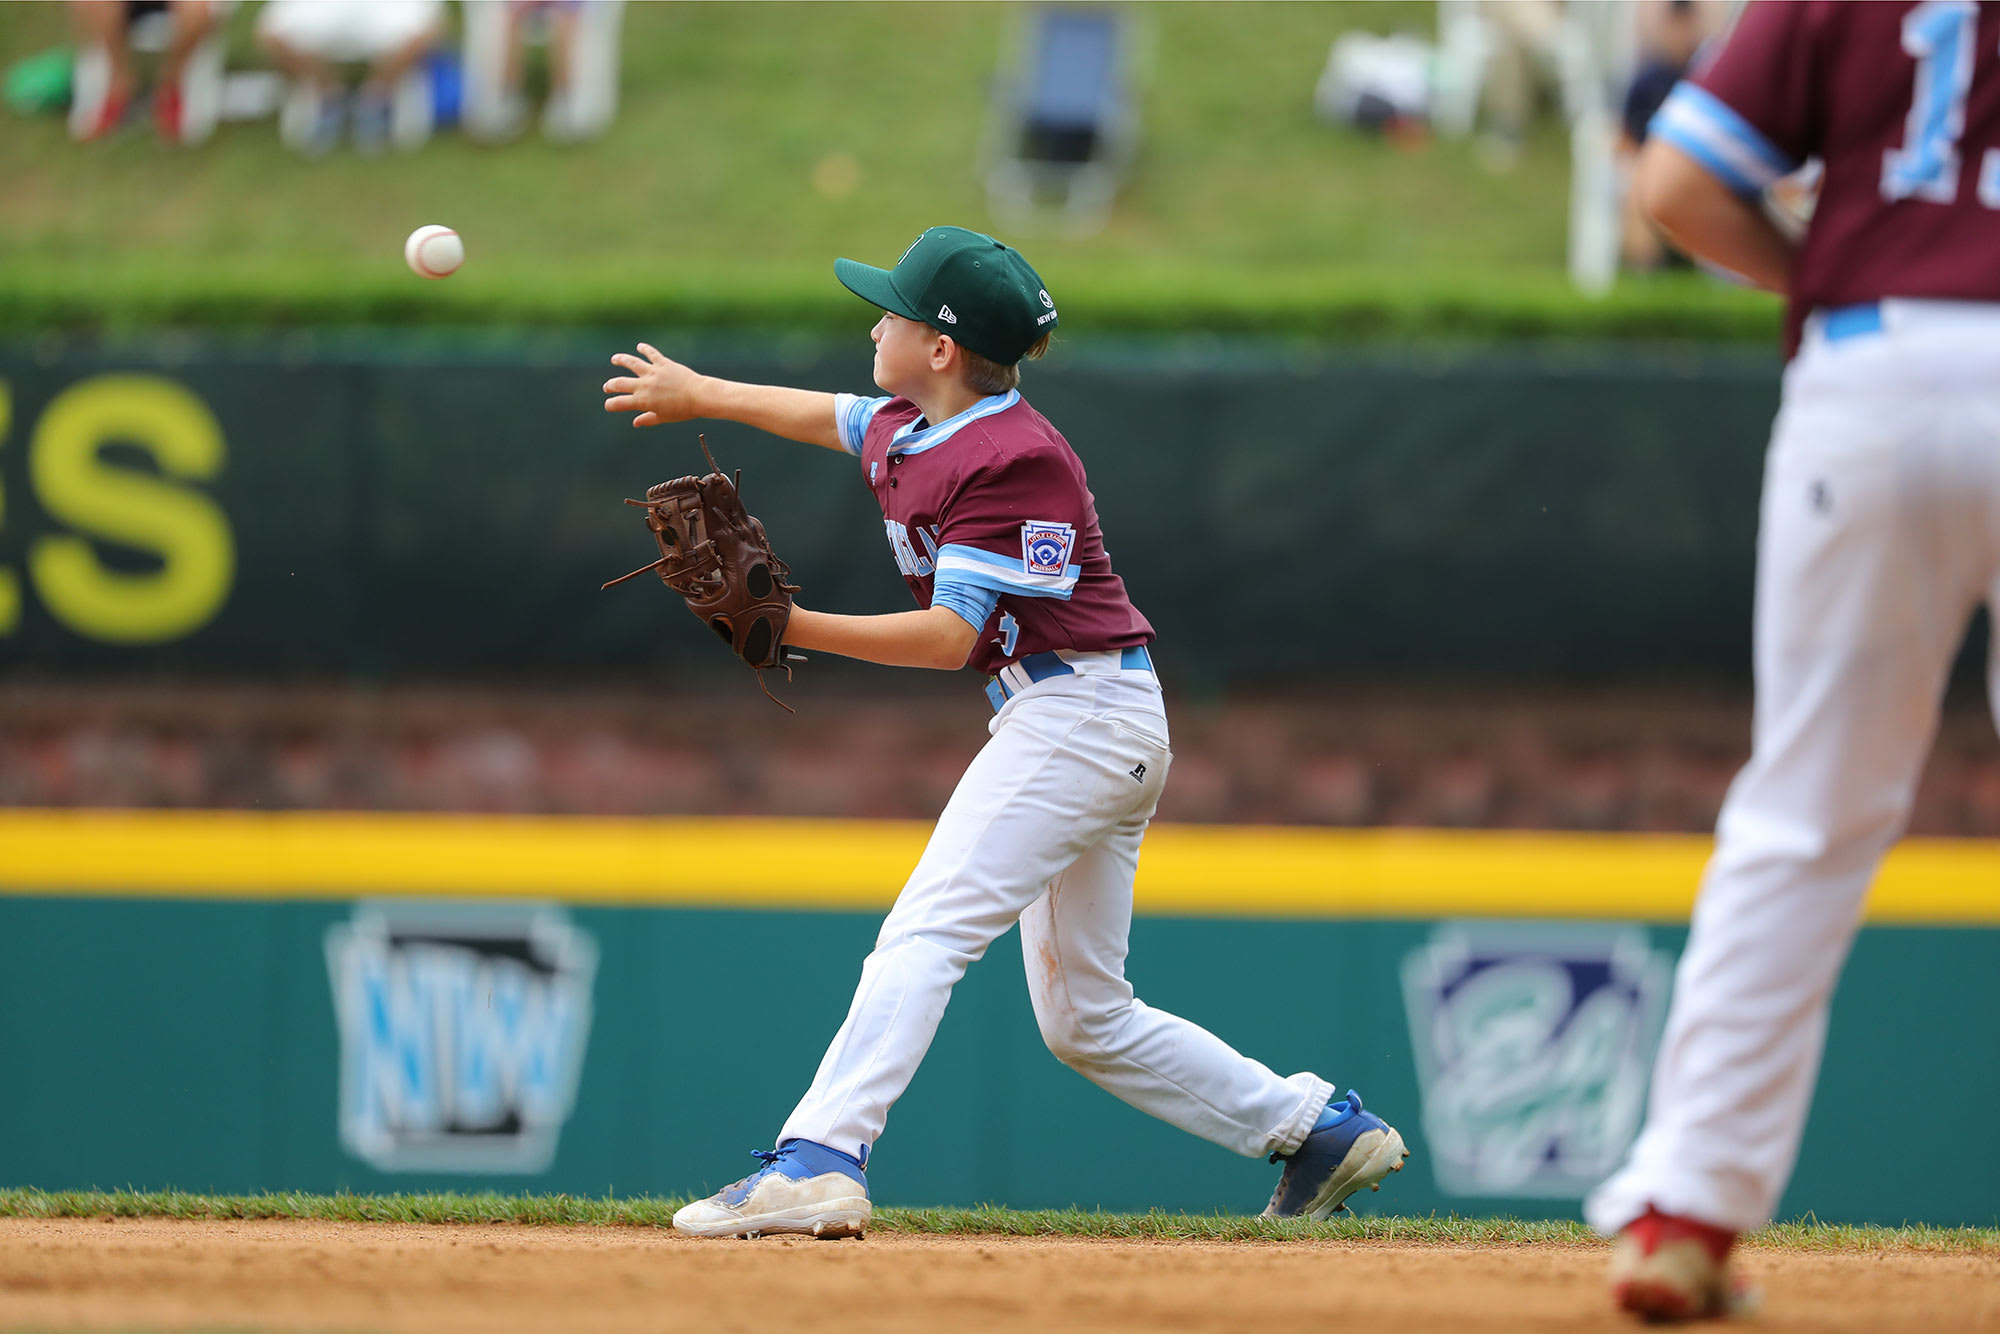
309 505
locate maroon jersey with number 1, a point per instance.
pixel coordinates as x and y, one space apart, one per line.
1900 102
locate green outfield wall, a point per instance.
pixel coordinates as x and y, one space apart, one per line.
236 1002
376 505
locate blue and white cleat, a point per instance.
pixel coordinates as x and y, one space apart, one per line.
803 1188
1346 1150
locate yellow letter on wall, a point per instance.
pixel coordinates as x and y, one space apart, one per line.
185 528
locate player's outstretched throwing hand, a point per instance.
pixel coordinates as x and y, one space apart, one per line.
659 388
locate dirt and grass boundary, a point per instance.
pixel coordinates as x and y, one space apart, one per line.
562 1210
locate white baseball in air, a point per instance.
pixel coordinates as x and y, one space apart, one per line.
433 252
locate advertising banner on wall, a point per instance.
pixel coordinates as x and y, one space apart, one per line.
463 1028
232 1002
321 505
1534 1043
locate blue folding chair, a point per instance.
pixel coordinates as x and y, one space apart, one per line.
1066 120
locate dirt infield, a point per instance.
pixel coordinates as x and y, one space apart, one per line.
160 1273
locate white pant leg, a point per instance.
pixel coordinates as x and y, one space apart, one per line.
1876 540
1056 776
1074 939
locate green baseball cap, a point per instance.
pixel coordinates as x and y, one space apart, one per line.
962 283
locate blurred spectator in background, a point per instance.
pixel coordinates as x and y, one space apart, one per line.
107 77
1526 57
1382 85
311 39
581 37
1669 34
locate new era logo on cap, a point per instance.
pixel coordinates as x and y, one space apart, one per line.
944 313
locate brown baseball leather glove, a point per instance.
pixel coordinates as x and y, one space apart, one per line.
714 553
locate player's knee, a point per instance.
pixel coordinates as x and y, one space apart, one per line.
1065 1037
957 944
1080 1040
902 958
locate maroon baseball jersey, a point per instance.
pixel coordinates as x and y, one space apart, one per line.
1900 102
989 514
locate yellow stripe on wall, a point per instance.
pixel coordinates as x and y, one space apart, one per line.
1190 870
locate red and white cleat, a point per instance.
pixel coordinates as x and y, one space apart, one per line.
1666 1269
109 116
168 113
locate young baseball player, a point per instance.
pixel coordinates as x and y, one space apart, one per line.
1880 535
992 523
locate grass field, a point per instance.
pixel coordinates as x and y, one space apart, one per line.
701 207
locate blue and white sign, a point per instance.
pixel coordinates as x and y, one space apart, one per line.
1534 1044
462 1033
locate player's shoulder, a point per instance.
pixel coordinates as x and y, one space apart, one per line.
1796 31
1017 439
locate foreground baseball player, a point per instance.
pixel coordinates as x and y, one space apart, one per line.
994 528
1880 535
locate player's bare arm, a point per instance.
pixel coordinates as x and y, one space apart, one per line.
1708 219
660 389
935 637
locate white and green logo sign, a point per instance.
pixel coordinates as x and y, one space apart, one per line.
462 1033
1534 1043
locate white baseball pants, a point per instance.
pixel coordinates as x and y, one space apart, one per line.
1045 829
1880 534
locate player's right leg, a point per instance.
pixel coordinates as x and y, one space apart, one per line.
1074 939
1875 543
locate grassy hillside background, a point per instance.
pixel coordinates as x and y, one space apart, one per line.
702 207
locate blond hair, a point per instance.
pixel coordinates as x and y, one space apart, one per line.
984 375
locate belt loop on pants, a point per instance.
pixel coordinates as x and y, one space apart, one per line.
1012 679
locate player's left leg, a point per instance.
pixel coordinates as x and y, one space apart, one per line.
1075 940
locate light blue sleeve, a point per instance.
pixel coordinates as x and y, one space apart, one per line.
1708 130
851 415
968 599
979 568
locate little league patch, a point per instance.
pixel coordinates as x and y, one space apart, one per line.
1045 547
